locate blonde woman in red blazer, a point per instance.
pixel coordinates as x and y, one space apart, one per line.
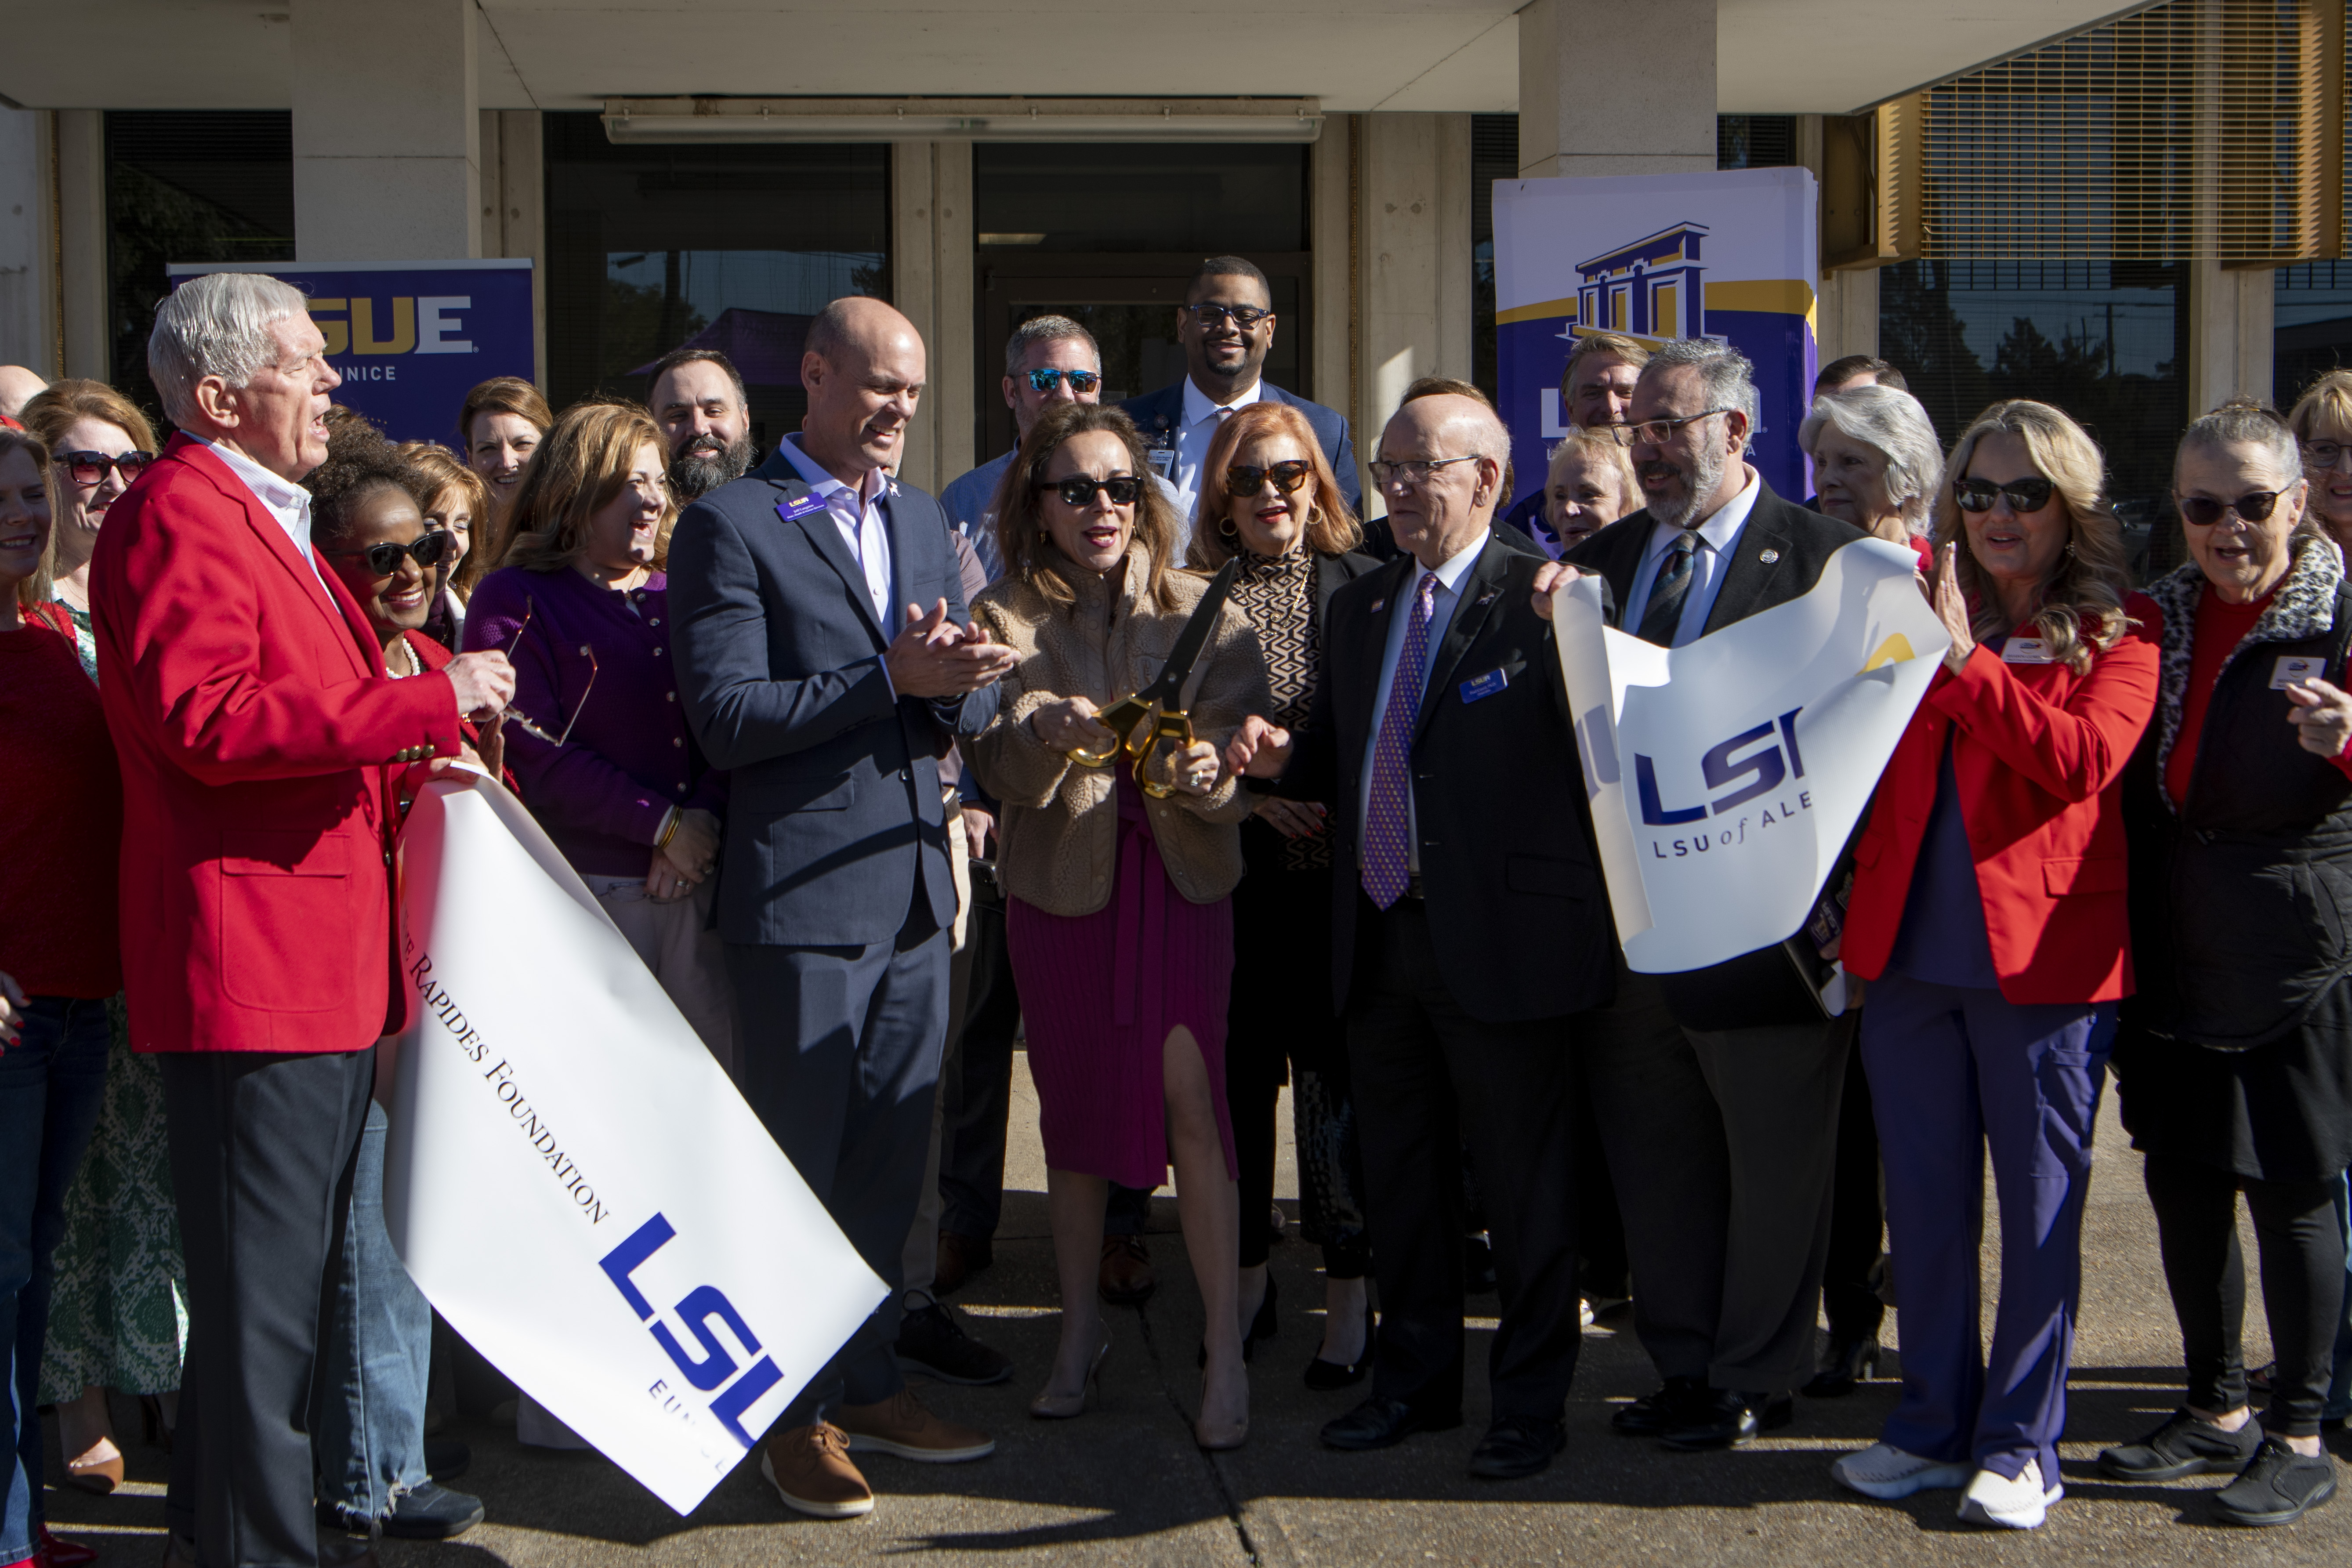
1988 917
260 743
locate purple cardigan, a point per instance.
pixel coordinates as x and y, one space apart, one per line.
602 797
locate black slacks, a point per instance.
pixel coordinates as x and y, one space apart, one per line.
2303 1283
1857 1204
1427 1077
977 1088
263 1148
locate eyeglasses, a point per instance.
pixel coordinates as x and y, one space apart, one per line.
2024 495
1079 490
1046 378
1243 316
1412 471
91 467
1658 432
2254 506
383 559
1241 479
516 717
2323 454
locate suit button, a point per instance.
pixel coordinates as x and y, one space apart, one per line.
669 696
675 742
905 772
658 653
387 857
652 621
679 788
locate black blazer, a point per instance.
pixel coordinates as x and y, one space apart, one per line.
1778 556
1517 909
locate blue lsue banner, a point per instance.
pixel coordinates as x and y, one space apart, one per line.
1728 256
411 338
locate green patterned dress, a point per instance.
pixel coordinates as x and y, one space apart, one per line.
118 1311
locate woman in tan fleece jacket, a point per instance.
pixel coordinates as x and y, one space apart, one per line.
1118 913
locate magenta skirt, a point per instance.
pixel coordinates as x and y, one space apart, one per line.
1099 995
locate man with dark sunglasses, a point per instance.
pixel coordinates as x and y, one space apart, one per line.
1226 328
1047 360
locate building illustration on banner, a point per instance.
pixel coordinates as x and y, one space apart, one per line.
1645 290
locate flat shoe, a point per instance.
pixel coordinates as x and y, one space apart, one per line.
2280 1487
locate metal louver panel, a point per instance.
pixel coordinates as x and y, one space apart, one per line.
2195 128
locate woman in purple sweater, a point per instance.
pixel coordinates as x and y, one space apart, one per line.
582 605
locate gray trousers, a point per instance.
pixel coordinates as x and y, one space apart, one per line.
841 1063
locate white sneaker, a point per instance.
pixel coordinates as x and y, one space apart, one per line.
1886 1472
2020 1504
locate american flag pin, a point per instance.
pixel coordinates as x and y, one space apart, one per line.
1769 557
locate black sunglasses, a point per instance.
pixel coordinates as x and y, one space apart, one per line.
89 468
1243 316
383 559
1081 380
2024 495
1243 479
2254 506
1079 490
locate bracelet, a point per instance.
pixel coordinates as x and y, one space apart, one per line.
669 828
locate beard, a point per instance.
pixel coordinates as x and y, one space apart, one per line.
704 465
1699 482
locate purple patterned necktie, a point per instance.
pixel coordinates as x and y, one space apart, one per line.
1386 815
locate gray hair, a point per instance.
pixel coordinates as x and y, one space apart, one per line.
1896 425
216 324
1730 379
2242 422
1045 330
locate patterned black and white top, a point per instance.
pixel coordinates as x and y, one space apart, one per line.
1277 594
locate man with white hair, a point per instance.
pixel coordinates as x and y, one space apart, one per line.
263 746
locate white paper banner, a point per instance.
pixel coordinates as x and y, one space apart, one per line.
1725 775
572 1181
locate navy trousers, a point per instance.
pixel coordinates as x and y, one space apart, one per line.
841 1061
1954 1069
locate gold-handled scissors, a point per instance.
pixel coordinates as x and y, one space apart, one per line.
1124 719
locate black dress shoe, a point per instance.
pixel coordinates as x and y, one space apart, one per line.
1324 1376
1517 1446
1730 1418
1661 1410
933 1343
1381 1422
1853 1362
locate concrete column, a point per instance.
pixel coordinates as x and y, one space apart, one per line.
28 239
1332 235
2229 326
931 282
81 243
387 137
1608 88
1845 320
514 205
1413 260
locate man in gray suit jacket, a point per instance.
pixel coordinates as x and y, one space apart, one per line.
825 658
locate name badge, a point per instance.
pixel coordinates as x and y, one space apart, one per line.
800 508
1487 685
2287 671
2025 650
1162 460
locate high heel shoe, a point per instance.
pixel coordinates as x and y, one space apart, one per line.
1323 1376
1048 1407
1264 1326
1851 1363
96 1477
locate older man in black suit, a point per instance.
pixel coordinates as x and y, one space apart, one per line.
825 655
1717 1090
1460 949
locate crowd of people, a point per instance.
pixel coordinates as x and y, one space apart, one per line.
1144 745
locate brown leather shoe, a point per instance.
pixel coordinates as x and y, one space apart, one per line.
1126 1280
901 1426
958 1259
810 1469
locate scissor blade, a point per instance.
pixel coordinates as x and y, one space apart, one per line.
1170 688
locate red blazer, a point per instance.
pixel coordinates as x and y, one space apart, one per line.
2039 754
259 738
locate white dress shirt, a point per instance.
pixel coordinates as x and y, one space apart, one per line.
1715 539
1442 604
858 514
282 498
1201 418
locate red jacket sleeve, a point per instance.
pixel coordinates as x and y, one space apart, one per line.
195 624
2074 748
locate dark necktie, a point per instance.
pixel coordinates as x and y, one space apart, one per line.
1665 610
1388 810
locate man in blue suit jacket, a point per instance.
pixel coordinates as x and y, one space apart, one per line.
1226 325
824 653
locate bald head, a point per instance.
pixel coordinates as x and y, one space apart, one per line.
1437 517
863 371
17 387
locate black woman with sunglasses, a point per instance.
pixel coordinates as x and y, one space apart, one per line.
98 442
1270 501
1988 916
1119 873
2234 1063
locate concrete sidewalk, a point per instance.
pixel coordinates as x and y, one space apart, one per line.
1124 1486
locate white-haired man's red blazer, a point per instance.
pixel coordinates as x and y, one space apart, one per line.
259 738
